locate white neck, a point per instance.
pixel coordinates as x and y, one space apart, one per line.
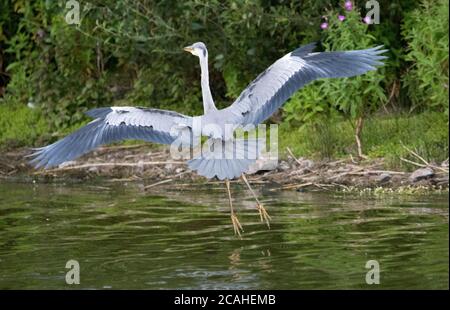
208 103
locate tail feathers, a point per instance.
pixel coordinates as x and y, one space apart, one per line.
227 159
220 168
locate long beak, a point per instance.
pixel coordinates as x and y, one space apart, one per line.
188 49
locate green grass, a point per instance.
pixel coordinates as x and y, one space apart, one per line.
21 126
382 136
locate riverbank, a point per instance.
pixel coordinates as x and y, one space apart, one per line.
155 167
319 157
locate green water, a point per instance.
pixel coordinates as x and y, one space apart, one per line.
124 237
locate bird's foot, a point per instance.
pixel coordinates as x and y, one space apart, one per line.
264 216
236 225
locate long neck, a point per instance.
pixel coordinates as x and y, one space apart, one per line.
208 103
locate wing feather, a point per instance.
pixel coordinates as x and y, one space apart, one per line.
112 125
278 82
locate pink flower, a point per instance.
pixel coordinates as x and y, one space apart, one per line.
367 20
341 17
324 25
348 5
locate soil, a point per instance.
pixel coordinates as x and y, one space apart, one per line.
156 168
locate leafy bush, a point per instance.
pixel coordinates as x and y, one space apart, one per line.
131 51
355 96
426 31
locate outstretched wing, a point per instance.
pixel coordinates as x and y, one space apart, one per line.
111 125
278 82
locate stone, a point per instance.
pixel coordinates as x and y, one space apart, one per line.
284 166
168 167
263 163
384 177
420 174
306 166
307 163
442 181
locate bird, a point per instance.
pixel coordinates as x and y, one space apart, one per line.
256 103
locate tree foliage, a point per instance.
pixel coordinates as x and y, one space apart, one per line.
426 31
130 52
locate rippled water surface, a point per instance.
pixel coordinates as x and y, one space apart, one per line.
124 237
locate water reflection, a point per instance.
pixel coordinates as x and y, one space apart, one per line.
124 237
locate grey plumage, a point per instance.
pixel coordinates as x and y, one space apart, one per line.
112 125
278 82
255 104
226 159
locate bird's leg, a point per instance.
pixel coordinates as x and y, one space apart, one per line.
236 225
262 211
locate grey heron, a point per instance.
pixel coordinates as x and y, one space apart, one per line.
255 104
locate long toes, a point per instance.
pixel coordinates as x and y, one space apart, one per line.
261 217
265 217
236 229
236 225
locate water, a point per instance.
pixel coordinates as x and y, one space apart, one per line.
123 237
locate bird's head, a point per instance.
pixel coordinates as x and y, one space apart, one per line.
198 49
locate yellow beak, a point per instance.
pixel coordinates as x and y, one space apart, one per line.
188 49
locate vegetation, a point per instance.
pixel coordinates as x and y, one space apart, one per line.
21 126
384 136
426 31
354 97
129 52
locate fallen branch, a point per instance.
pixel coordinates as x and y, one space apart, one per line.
352 160
345 173
413 162
158 183
333 163
377 172
293 156
425 163
293 186
323 186
84 166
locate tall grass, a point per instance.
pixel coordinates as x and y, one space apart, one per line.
383 136
20 126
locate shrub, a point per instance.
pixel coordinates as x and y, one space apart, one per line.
426 31
354 97
131 51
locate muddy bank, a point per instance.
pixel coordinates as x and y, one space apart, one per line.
156 168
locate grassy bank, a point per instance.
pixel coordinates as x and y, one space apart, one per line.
21 126
382 136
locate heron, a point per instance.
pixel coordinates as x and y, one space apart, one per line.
262 97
